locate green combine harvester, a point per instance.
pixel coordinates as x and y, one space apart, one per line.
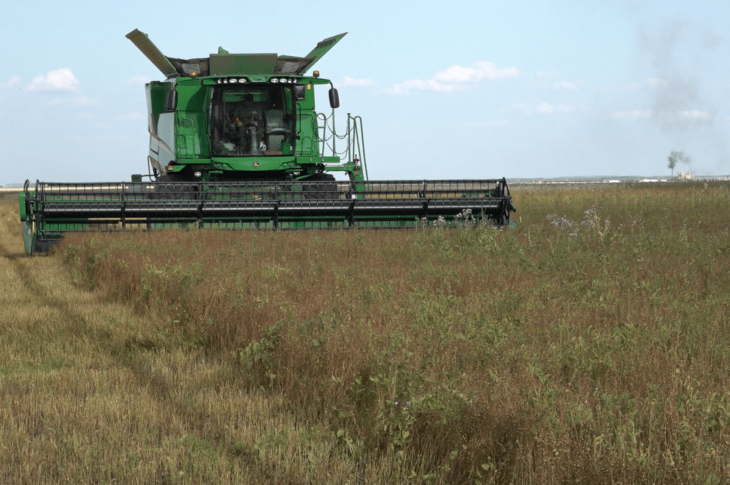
236 143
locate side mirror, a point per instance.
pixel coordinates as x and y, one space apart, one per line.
171 103
334 98
299 92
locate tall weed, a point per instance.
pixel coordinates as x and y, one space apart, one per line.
589 344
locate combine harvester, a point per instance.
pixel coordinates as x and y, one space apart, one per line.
235 142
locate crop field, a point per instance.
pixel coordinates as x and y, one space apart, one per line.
591 344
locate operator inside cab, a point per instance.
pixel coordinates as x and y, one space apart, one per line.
258 121
247 112
248 121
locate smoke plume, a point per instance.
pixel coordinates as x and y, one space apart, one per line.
677 157
680 104
676 50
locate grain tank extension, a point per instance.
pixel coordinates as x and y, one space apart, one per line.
236 142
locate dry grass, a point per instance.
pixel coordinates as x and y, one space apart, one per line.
91 392
588 345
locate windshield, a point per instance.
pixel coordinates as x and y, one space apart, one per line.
252 120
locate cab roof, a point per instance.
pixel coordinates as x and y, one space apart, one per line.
224 63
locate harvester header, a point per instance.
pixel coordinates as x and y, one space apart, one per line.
236 142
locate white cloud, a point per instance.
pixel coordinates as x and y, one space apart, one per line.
632 87
14 81
134 116
421 85
568 86
561 85
478 72
544 74
357 83
79 101
59 80
630 115
652 82
137 80
100 125
488 123
569 109
692 115
656 83
543 108
547 109
685 116
455 77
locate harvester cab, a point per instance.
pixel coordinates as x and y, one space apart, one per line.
237 117
236 143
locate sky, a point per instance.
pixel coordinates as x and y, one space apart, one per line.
446 90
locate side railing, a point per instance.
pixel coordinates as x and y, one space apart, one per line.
353 139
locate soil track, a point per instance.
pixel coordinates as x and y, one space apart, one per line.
63 348
91 392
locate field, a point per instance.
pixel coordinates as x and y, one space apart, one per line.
588 345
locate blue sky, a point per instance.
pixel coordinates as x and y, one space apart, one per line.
454 89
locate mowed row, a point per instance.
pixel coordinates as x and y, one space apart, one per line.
81 401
